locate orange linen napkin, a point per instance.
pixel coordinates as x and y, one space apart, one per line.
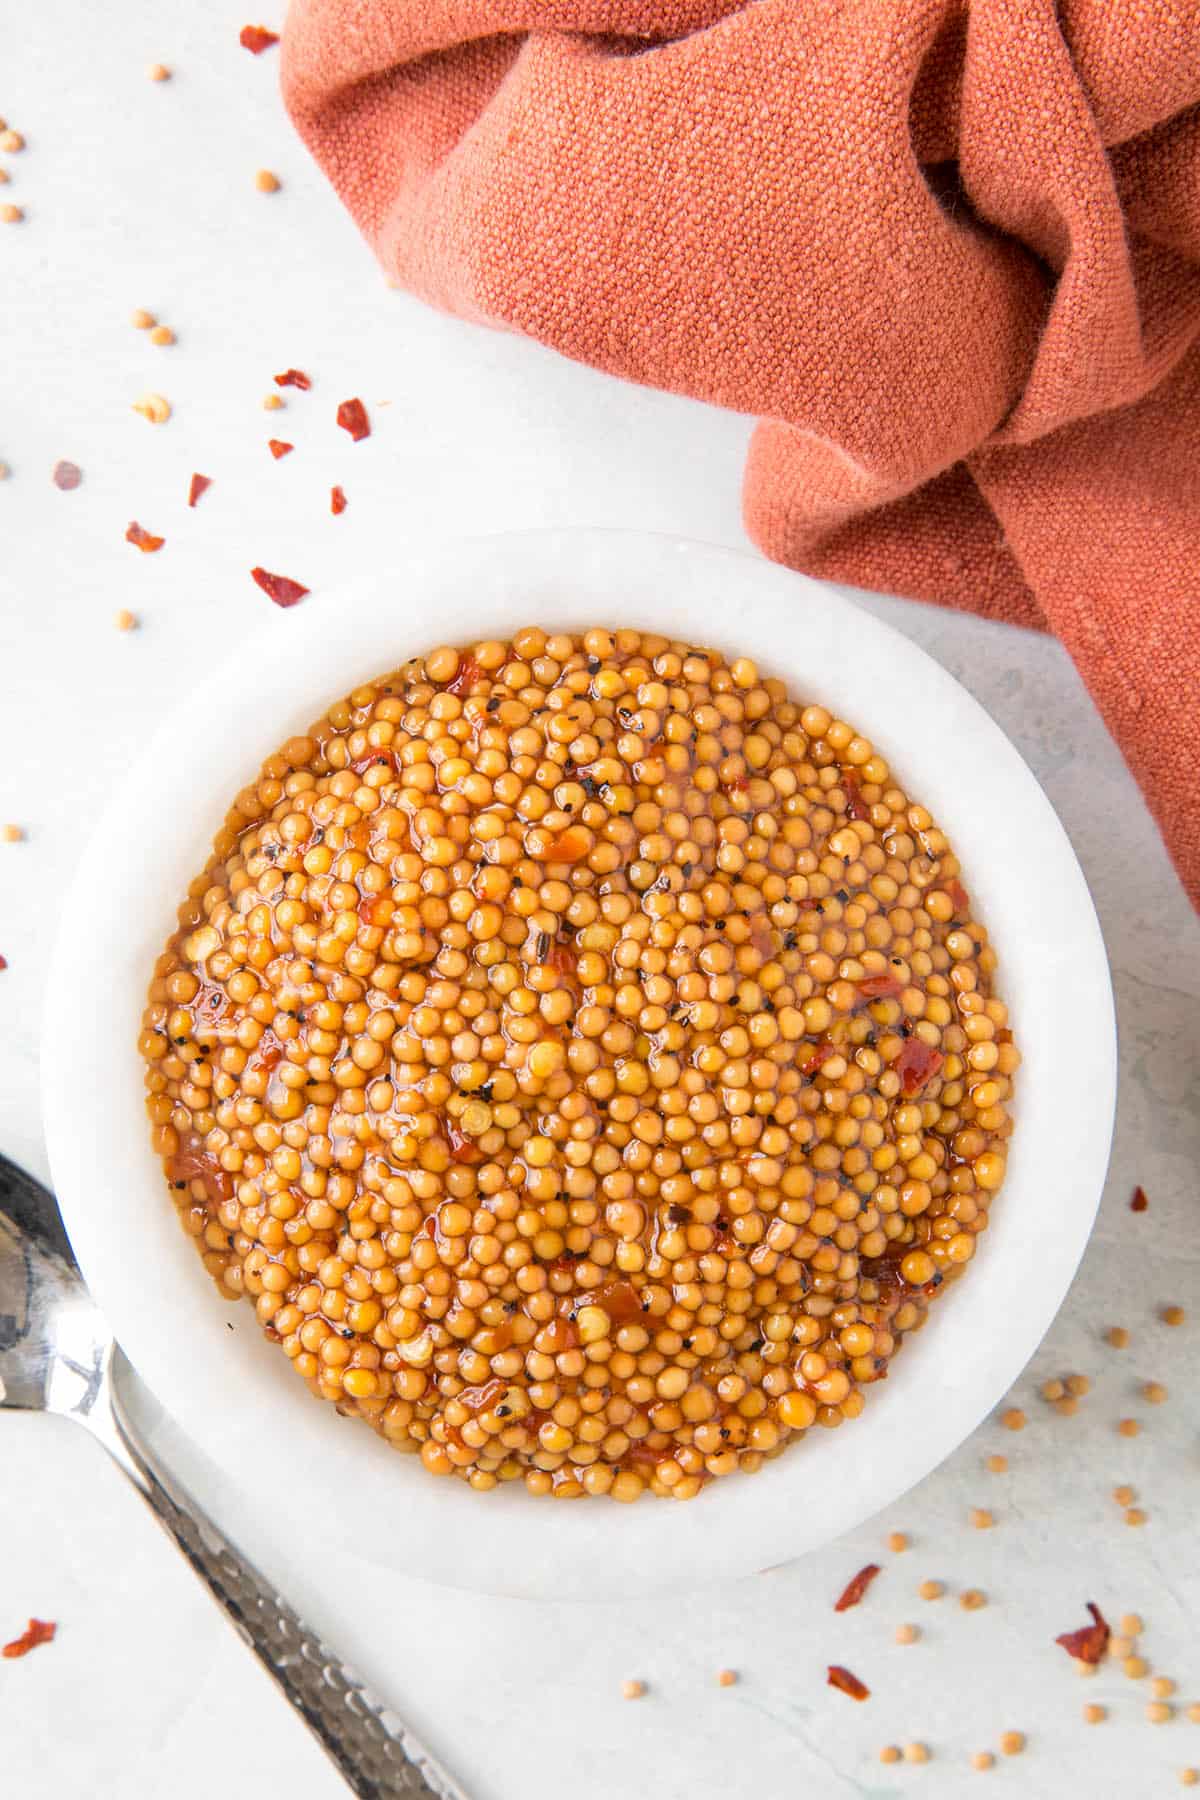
949 250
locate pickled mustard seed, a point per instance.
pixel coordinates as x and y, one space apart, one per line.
38 1631
67 476
154 408
856 1587
632 1690
846 1682
1139 1202
257 38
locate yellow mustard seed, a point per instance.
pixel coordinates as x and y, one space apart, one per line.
1012 1743
632 1690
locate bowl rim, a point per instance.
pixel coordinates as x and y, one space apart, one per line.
275 1443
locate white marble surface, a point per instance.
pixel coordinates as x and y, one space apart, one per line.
142 195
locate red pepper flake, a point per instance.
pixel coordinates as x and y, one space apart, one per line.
3 962
856 1587
879 987
145 540
959 899
569 846
848 1683
462 1148
1139 1203
337 501
67 476
465 677
917 1063
1090 1642
279 588
197 486
620 1300
38 1631
293 378
278 448
817 1056
856 806
256 39
352 417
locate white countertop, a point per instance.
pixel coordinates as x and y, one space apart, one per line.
140 194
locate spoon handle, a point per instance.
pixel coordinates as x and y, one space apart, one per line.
378 1756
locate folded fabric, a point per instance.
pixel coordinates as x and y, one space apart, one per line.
948 251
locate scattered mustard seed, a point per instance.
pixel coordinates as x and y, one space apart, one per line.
1154 1392
931 1590
997 1465
1128 1427
124 620
971 1599
140 319
1189 1777
1158 1712
1125 1496
158 72
981 1518
162 334
632 1690
890 1753
12 834
1085 1670
1131 1624
1193 1712
1012 1743
1120 1647
1118 1337
266 182
1013 1419
11 215
153 407
897 1541
5 471
1067 1406
907 1634
983 1759
1172 1315
1135 1667
916 1753
1162 1687
273 402
1134 1515
11 140
726 1678
1052 1390
1093 1714
1078 1385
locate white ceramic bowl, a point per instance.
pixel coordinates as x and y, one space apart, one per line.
236 1396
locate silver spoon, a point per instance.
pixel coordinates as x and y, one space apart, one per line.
57 1355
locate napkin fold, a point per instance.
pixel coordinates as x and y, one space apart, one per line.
948 251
